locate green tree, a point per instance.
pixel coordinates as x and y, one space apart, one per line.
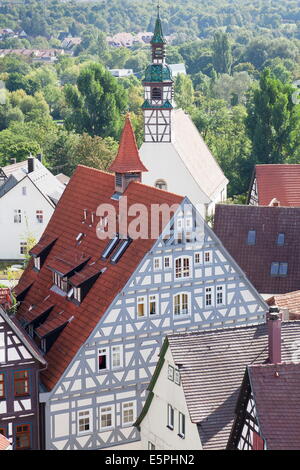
272 116
96 104
222 55
184 91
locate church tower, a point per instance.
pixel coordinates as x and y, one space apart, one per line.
158 91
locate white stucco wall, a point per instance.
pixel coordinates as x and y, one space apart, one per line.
154 425
11 234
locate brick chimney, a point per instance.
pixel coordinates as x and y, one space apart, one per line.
274 334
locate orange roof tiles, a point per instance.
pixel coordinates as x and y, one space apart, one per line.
278 181
127 159
289 302
88 188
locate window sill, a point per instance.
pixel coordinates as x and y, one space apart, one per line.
181 316
170 427
182 436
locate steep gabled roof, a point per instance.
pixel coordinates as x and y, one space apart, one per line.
275 389
278 181
232 224
127 159
86 191
195 154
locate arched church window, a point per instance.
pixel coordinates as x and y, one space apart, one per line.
156 93
161 184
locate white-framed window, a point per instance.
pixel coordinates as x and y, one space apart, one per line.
40 216
161 184
170 417
171 373
181 425
153 304
207 257
103 359
60 282
107 417
177 376
37 263
208 296
182 267
188 223
197 258
220 295
17 216
151 446
24 191
141 306
157 264
23 248
181 304
84 421
167 262
116 356
179 223
128 413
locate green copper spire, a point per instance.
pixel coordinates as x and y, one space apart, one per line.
158 35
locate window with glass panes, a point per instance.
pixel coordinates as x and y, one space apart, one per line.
153 305
84 424
22 437
181 425
207 257
106 417
21 383
2 389
39 216
17 216
182 267
128 412
141 307
181 304
23 248
170 422
220 296
208 296
102 359
116 358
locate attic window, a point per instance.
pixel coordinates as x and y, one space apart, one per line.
251 239
161 184
280 239
119 179
279 269
121 250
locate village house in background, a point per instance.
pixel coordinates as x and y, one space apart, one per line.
275 185
20 364
265 242
174 152
195 387
29 193
100 308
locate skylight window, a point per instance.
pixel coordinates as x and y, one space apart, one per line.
280 239
110 247
121 250
79 236
251 239
279 269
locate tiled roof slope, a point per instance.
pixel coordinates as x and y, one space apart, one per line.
278 181
231 225
127 159
289 302
276 394
87 189
212 366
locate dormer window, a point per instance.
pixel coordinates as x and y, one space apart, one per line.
37 263
77 294
61 282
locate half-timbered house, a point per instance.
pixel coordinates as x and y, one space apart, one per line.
99 305
20 365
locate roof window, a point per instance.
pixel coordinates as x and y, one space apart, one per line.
280 239
251 238
121 250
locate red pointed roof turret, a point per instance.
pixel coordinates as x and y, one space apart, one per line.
127 159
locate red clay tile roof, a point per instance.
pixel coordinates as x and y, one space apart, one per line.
278 181
289 302
4 442
231 225
276 395
212 367
87 189
127 159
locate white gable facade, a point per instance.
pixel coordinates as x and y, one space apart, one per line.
27 202
182 284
